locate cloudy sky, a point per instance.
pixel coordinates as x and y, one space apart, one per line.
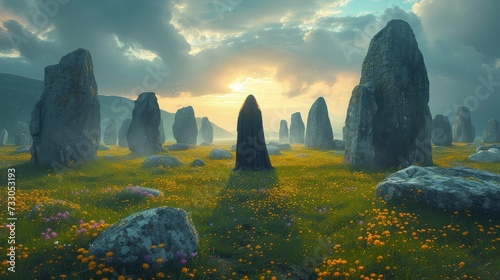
212 53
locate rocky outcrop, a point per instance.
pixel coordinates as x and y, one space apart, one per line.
206 131
122 133
450 188
463 130
184 128
491 132
132 238
319 132
297 129
143 134
251 150
394 88
441 131
283 132
4 137
65 123
110 132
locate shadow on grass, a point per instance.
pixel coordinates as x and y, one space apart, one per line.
251 214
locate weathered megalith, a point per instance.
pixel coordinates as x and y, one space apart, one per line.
251 150
143 135
463 130
110 133
206 131
441 131
283 132
184 128
394 78
4 137
22 134
163 138
122 133
359 148
319 132
65 123
297 129
491 132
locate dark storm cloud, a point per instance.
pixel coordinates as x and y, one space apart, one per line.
284 40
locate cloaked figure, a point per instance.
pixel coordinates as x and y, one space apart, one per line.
251 150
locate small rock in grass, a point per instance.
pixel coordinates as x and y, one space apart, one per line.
165 161
178 147
273 150
219 154
197 162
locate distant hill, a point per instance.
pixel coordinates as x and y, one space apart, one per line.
19 96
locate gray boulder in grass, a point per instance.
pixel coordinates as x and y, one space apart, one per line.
197 162
141 191
131 239
178 147
22 150
273 150
219 154
157 161
449 188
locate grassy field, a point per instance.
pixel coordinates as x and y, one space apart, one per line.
310 218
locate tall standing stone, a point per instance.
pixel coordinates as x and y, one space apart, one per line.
463 130
297 129
65 123
22 134
110 133
283 132
441 131
359 148
184 128
491 132
319 132
251 150
206 131
163 138
122 133
143 135
4 137
395 71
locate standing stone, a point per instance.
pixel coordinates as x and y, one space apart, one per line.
163 138
441 131
251 150
4 137
65 123
297 129
184 128
319 133
122 133
491 133
143 135
206 131
344 132
394 70
463 130
359 148
110 133
22 134
283 134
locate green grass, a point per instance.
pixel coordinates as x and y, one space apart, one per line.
310 218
